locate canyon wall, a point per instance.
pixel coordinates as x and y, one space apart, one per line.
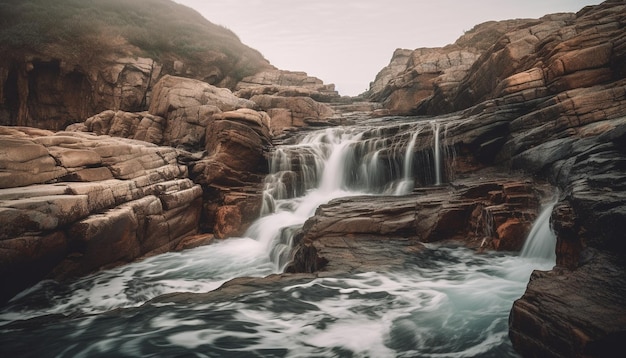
550 95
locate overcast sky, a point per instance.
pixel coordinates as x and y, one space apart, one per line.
347 42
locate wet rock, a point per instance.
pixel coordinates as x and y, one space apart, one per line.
350 233
553 318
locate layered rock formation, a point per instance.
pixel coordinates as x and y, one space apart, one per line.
105 192
292 99
487 212
425 81
72 203
224 143
549 98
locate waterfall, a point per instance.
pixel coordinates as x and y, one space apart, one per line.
541 241
437 151
407 183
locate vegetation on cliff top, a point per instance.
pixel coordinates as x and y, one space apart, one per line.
83 30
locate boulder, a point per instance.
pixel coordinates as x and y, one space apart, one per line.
289 112
172 93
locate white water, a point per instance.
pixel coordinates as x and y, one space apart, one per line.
541 241
448 302
408 182
437 151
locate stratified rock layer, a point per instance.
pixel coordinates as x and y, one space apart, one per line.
223 142
361 233
72 203
547 96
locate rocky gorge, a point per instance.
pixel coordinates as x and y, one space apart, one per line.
160 156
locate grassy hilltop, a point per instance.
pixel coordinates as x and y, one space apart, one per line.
83 31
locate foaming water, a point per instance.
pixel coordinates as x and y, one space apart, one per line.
445 302
541 241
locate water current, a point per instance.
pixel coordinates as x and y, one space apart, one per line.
444 302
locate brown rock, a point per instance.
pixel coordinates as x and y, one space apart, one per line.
469 210
228 222
299 109
74 158
286 84
511 235
118 199
172 93
571 314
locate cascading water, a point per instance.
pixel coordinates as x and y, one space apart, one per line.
446 301
541 241
407 183
437 152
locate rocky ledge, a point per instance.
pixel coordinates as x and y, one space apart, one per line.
114 188
72 203
485 210
548 97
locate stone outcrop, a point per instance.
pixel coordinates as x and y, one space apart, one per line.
548 97
425 69
291 99
72 203
485 211
224 142
46 92
289 112
233 170
55 81
397 65
440 80
172 93
286 84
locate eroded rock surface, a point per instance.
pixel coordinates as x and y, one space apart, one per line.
485 211
72 203
223 141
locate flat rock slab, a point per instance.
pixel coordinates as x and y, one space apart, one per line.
484 211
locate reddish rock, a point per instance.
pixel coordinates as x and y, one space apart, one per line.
345 231
511 235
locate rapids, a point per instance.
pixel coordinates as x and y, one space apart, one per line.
445 302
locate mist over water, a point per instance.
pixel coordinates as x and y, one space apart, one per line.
445 302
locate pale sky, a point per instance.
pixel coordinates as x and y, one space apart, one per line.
347 42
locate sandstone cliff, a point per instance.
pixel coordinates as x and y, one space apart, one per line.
546 97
